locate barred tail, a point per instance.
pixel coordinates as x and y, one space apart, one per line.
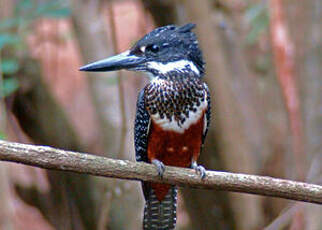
160 215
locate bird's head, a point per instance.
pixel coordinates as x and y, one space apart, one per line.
163 50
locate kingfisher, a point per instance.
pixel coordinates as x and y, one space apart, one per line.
173 111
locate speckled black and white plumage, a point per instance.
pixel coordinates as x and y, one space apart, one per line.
152 219
176 103
175 98
208 116
181 90
141 129
173 110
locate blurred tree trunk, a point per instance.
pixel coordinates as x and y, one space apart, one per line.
5 212
90 30
6 222
308 58
70 202
157 9
95 42
6 216
235 140
284 63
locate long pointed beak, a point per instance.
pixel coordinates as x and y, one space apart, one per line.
123 60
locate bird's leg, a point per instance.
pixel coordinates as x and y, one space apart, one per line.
159 165
199 169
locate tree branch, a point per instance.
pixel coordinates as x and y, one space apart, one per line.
51 158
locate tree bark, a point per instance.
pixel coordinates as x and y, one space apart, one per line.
51 158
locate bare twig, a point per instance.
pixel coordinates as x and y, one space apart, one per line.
51 158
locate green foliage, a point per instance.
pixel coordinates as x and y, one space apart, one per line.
54 9
26 11
32 9
258 18
9 66
9 86
2 136
13 31
8 39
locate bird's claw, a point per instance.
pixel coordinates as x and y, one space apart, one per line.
200 170
160 167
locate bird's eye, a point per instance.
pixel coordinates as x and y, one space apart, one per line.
153 48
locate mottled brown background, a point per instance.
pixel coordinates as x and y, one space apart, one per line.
264 73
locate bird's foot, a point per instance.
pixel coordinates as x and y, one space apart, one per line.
160 167
200 170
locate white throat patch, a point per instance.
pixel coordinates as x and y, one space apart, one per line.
172 66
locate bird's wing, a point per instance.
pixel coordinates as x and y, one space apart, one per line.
141 129
141 134
207 115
